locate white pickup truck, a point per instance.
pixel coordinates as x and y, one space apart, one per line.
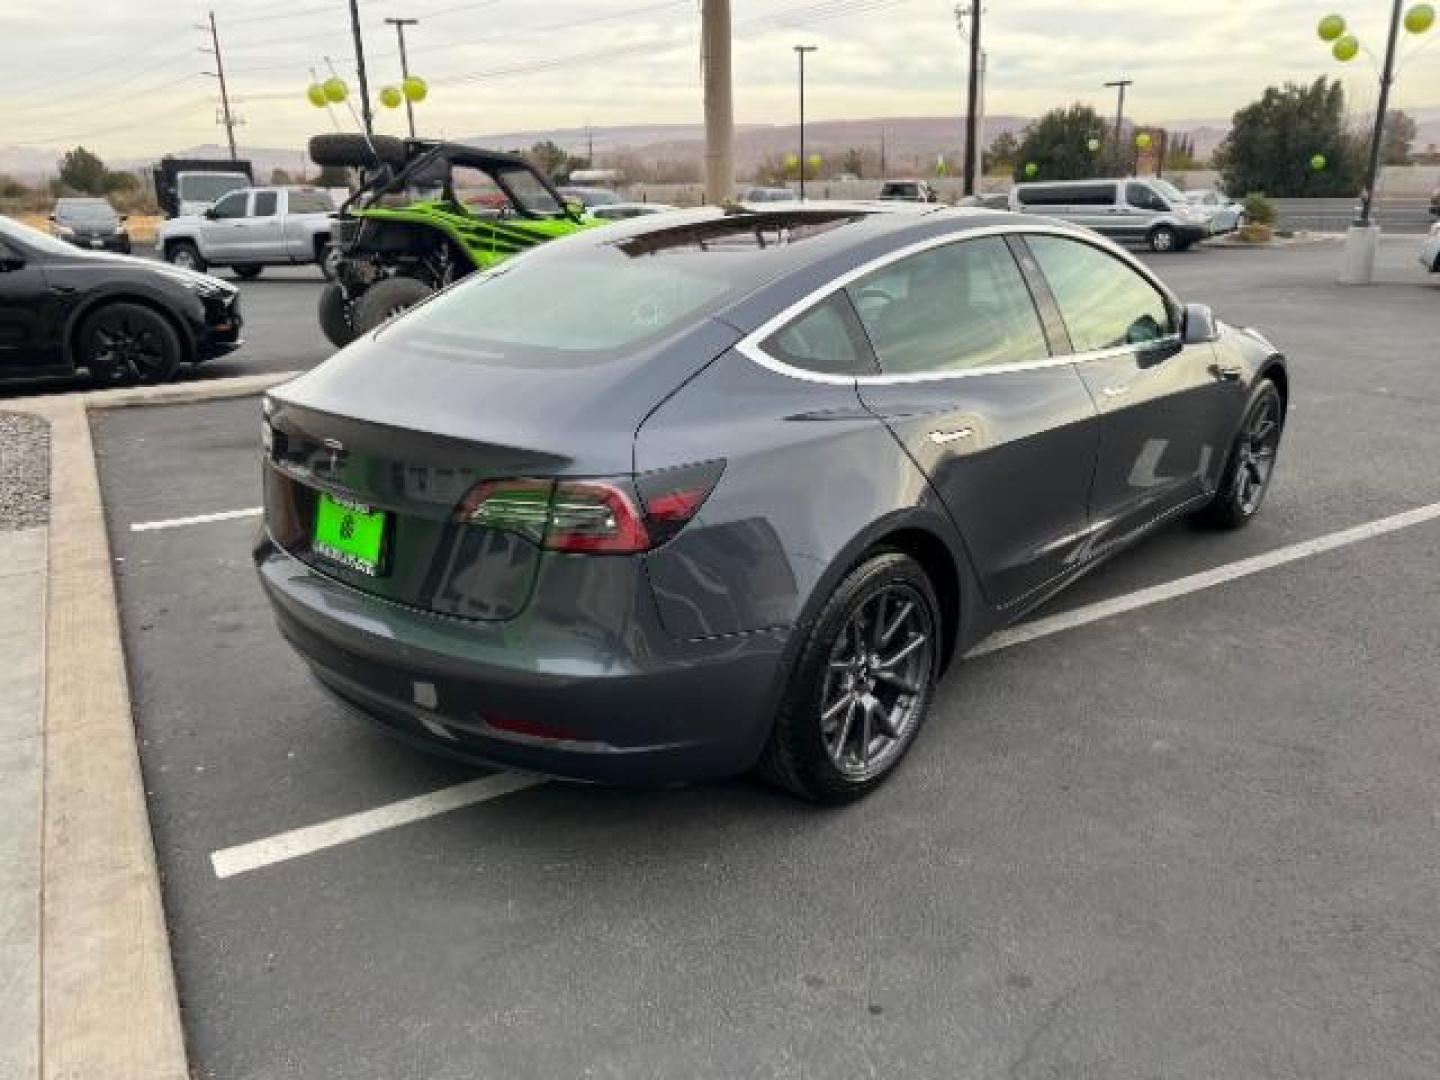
252 228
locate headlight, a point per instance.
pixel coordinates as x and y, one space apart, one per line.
64 232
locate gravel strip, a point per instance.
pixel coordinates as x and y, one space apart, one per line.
24 471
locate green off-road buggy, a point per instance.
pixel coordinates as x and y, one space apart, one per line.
428 213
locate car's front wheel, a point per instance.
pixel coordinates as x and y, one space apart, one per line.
862 684
128 343
386 299
1251 463
334 314
186 256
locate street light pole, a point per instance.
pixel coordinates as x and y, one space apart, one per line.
360 68
972 103
400 25
800 51
719 108
1120 84
1387 78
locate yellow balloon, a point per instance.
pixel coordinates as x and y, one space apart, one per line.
316 93
791 160
1346 49
1420 18
391 97
1143 140
1331 27
335 90
415 88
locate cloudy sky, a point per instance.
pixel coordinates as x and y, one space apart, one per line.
125 76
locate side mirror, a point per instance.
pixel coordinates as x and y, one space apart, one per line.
124 218
52 217
1199 326
210 213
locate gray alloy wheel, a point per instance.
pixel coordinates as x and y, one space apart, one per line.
862 685
1252 461
128 343
1162 239
186 256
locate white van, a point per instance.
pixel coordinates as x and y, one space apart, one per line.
1140 210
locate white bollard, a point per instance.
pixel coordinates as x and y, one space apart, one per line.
1361 244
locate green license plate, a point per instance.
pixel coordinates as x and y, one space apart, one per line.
349 533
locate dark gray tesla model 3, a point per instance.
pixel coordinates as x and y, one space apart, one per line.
698 493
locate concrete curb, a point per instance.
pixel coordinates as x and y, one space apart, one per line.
108 1001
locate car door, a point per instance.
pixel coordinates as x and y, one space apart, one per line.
1163 405
222 231
1096 207
263 237
29 313
1006 432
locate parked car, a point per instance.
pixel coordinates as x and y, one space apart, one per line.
1430 250
1149 211
909 191
1226 214
90 223
767 194
123 319
726 487
590 197
186 186
623 211
252 228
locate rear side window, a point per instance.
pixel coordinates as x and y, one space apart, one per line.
952 308
310 202
826 339
1105 303
265 203
1068 195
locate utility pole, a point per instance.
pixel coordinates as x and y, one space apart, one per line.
972 102
1387 79
719 107
1120 84
230 120
800 51
400 25
360 68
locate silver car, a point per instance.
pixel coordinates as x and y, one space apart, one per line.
1140 210
1226 213
1430 250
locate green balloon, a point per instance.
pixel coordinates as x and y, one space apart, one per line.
316 93
415 88
1346 49
335 90
1331 27
1093 145
1420 18
1318 162
391 97
1031 169
1143 140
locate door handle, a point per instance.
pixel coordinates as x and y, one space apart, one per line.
941 437
1227 372
1118 390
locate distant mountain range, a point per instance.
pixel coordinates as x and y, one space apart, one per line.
910 142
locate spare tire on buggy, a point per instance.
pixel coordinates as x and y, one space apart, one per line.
350 150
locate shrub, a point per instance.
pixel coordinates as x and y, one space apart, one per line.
1259 210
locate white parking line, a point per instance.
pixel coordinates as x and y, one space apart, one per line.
198 519
304 841
291 845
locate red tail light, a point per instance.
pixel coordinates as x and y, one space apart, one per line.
600 517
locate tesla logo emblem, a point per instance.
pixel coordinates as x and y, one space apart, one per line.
336 448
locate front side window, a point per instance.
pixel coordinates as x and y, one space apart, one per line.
231 206
1105 303
826 339
1141 197
952 308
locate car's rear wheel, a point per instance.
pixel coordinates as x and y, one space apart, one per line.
328 259
185 255
1162 239
1251 464
335 316
386 299
247 273
862 684
128 343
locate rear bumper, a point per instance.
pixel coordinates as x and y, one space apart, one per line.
623 708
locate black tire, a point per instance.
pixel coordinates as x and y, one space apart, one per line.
385 299
1251 464
1162 240
247 273
185 255
335 316
123 343
807 750
349 150
327 257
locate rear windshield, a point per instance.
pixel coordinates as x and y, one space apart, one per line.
96 211
605 300
207 187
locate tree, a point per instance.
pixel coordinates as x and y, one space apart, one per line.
853 163
1058 145
10 188
1400 131
1273 141
548 158
279 176
1180 152
83 172
1003 153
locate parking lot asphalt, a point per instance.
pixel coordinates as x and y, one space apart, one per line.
1192 840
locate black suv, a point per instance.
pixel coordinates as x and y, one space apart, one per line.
90 223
